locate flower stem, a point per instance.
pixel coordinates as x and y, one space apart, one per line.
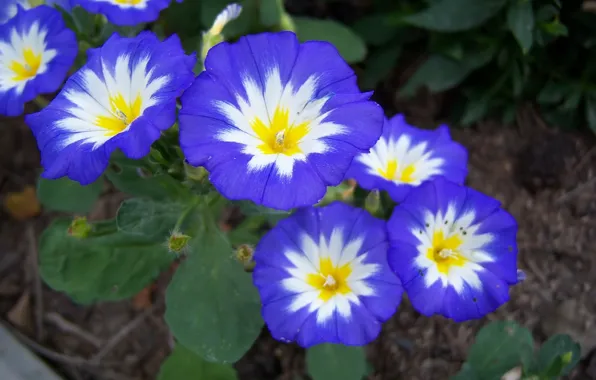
41 102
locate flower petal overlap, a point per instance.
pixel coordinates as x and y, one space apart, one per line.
406 156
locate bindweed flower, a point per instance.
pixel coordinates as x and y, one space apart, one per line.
323 277
126 12
406 156
276 121
454 250
36 52
122 98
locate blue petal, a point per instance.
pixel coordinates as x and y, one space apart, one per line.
57 38
120 15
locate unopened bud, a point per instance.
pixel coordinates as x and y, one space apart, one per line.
229 13
79 227
195 173
372 203
566 358
244 254
177 242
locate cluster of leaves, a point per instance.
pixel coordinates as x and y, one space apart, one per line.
506 348
497 53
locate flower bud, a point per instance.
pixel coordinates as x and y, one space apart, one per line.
79 227
177 242
213 36
244 254
195 173
372 203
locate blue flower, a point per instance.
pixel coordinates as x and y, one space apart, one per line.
276 121
8 8
122 98
36 52
323 276
406 156
454 250
125 12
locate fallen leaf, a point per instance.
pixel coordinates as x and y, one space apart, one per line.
20 314
22 205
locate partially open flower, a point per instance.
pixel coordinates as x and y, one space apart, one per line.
406 156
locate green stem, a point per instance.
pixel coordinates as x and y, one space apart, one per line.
41 102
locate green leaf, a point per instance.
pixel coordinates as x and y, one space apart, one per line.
110 267
212 306
552 93
520 20
183 364
499 347
334 361
270 12
146 218
455 15
376 29
476 109
349 44
273 216
181 18
68 196
591 112
438 73
134 177
379 65
557 357
466 373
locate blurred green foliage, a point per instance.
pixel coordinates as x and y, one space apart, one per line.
494 54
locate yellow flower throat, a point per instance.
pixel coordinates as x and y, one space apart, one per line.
279 137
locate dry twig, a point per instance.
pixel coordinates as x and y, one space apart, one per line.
69 327
37 290
120 335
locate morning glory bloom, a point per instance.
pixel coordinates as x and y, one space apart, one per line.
323 277
36 52
454 250
125 12
276 121
406 156
122 98
8 8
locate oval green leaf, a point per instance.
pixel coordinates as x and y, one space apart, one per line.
351 47
336 362
455 15
110 267
68 196
520 20
144 217
212 306
183 364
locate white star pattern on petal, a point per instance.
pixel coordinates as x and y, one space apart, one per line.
23 57
400 161
108 108
279 126
328 275
450 249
